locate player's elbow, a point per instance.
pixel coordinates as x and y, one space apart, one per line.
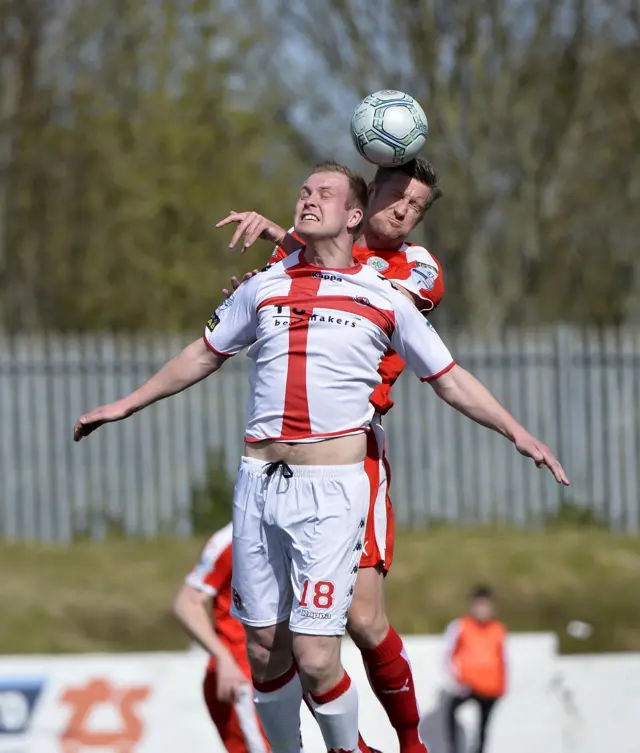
178 606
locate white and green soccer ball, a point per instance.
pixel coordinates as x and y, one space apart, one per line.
389 128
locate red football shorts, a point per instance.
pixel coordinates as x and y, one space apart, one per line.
379 537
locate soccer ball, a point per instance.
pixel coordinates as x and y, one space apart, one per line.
389 128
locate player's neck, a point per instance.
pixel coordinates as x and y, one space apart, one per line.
333 253
371 240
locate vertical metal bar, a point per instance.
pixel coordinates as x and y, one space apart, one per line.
629 418
9 471
614 414
60 436
24 430
44 469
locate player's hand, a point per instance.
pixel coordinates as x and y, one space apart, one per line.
230 680
105 414
541 455
235 282
253 226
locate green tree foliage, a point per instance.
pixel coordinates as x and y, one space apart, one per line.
134 126
129 127
534 115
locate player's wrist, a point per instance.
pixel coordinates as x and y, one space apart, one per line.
514 431
223 656
278 235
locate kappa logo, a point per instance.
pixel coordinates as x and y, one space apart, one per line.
310 614
377 263
88 701
393 691
327 276
237 601
227 302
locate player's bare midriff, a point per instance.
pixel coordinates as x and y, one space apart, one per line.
336 451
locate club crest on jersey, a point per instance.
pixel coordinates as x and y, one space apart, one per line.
213 322
377 263
424 277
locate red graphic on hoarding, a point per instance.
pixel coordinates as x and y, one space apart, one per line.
81 735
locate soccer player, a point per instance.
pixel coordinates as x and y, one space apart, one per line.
227 681
399 197
317 325
476 664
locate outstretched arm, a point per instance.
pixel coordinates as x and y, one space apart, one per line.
469 396
190 366
415 340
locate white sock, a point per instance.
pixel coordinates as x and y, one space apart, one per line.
336 712
278 705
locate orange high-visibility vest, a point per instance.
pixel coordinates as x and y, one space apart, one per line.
478 656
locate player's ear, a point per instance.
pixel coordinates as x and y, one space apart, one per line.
357 215
371 190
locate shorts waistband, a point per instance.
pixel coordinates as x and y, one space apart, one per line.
251 465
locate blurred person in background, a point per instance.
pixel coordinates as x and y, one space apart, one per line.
475 664
203 606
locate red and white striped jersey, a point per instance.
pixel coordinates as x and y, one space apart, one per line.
412 267
316 338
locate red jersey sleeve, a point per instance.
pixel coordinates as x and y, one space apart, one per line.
279 253
425 277
213 571
417 343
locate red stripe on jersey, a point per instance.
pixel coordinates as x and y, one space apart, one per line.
439 374
382 318
304 267
213 350
296 419
327 435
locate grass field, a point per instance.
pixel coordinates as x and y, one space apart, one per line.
116 595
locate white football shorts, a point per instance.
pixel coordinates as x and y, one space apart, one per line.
298 534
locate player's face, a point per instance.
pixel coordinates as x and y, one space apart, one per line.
322 207
396 206
482 609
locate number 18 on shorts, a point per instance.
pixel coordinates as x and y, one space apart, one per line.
297 544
